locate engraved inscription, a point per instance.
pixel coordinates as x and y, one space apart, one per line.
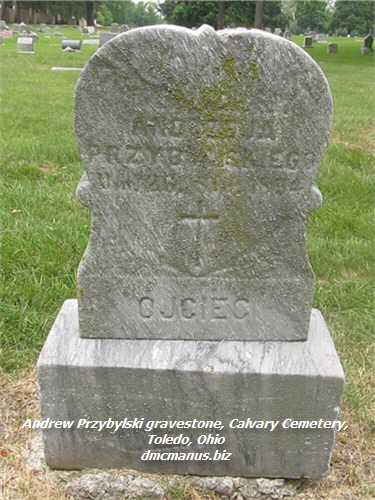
199 224
188 308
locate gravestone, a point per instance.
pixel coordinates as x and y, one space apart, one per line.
71 44
115 27
367 44
195 292
24 28
308 42
43 28
31 34
123 28
105 36
82 23
3 25
25 44
278 32
332 48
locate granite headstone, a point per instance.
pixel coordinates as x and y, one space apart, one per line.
216 256
71 44
332 48
200 151
308 42
367 44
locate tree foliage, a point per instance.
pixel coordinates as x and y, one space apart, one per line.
104 16
128 12
353 17
312 15
237 13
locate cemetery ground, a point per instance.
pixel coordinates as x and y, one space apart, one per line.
45 232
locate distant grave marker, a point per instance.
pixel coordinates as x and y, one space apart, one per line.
25 44
367 44
332 48
308 42
105 36
71 44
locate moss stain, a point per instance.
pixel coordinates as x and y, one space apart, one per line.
220 108
254 71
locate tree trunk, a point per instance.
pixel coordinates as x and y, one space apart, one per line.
90 13
13 18
259 10
221 15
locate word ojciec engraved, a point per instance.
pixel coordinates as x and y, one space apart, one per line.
202 308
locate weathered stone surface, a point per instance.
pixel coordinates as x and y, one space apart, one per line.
106 486
179 380
224 486
200 150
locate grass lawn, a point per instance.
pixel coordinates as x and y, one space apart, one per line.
45 230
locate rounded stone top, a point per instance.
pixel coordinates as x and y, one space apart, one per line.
219 94
200 150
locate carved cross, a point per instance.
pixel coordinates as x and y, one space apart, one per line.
200 223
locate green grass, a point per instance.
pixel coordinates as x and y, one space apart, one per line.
45 230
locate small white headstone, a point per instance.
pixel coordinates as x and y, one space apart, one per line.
25 44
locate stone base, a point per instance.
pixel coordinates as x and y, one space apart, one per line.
184 380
